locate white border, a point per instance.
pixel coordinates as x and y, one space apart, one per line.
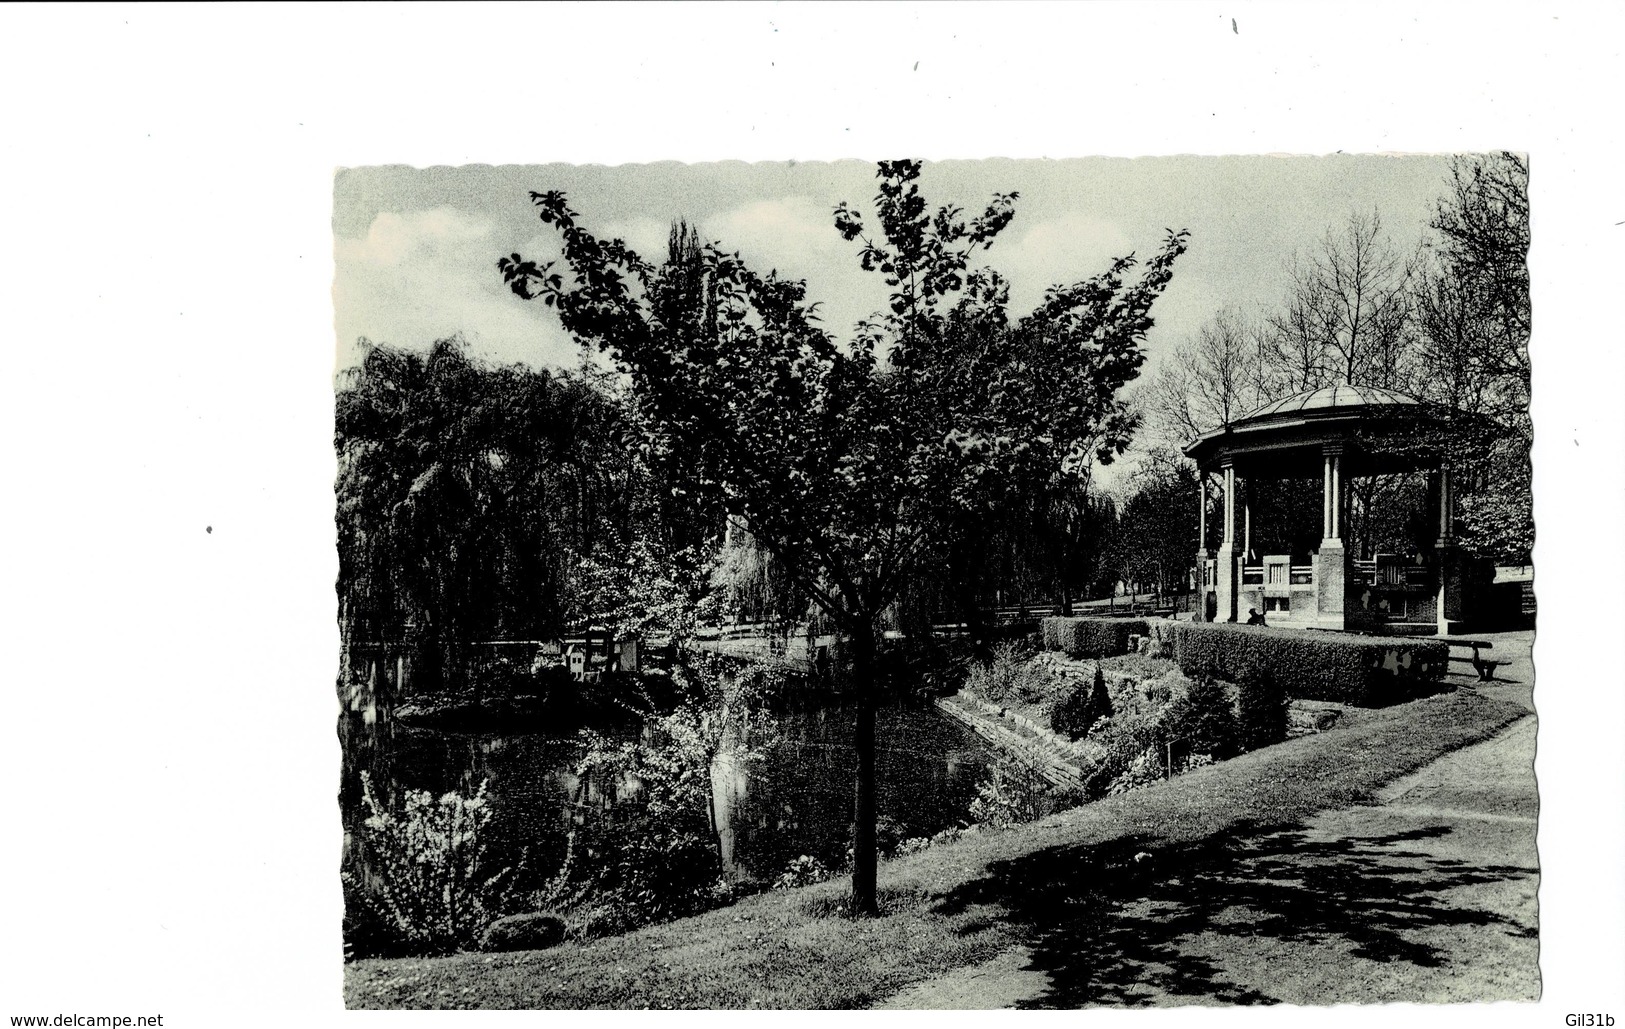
168 743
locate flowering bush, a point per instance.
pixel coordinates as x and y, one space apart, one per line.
1145 769
803 871
1010 795
430 879
1008 675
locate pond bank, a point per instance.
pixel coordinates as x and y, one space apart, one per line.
956 905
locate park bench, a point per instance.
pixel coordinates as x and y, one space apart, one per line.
1485 667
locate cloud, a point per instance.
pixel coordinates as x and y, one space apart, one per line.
646 236
418 276
796 236
394 238
1057 251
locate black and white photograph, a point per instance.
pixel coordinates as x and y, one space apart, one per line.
1117 592
921 508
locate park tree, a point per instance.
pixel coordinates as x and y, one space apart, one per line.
1470 300
467 494
1208 379
1347 314
1154 538
1473 312
842 461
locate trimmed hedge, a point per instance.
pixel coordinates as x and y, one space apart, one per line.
1261 710
1092 637
1366 671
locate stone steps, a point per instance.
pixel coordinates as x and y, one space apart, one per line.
1057 761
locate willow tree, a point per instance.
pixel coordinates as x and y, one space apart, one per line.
467 494
842 461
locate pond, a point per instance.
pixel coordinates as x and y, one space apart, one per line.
796 800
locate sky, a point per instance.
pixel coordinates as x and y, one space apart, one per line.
416 248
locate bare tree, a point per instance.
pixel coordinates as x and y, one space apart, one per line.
1454 342
1348 317
1473 301
1209 379
1295 352
1473 317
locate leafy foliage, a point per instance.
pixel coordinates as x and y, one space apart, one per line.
1011 794
1083 708
470 497
432 876
1261 710
802 871
1446 320
1009 674
634 590
1203 719
1152 540
653 856
845 463
1499 522
1474 316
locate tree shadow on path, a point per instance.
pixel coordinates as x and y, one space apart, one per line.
1113 924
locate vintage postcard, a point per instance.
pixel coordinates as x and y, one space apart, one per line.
937 584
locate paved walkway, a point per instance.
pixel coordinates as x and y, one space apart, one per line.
1428 895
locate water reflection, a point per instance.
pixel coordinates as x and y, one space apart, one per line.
796 800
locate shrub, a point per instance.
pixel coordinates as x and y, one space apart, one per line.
1134 748
1203 719
915 844
1361 670
652 857
531 931
434 885
1011 794
1008 675
1092 637
1137 666
1144 769
1131 751
888 837
1261 710
369 930
1082 709
803 871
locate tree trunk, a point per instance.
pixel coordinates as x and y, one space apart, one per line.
864 855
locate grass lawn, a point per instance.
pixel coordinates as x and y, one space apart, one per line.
956 905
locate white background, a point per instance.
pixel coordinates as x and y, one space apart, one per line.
172 837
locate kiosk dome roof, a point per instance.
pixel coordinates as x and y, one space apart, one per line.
1343 397
1309 418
